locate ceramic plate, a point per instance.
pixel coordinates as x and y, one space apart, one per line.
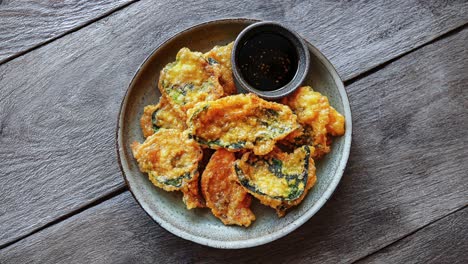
199 225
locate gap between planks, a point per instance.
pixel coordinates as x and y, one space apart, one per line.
384 64
122 189
410 234
85 24
98 201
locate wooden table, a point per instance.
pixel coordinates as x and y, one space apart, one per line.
65 66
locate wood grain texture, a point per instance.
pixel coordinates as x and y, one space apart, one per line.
57 124
407 168
25 24
444 241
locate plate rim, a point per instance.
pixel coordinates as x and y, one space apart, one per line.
257 241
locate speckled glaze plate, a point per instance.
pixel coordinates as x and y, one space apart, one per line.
199 225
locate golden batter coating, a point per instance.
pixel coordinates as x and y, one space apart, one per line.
335 126
280 180
227 199
192 195
159 116
189 80
239 122
317 117
170 158
146 123
220 58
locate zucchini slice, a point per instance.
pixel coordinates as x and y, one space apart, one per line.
318 119
170 158
242 121
220 58
189 80
192 196
279 179
227 200
159 116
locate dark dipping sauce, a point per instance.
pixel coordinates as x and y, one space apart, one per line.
267 61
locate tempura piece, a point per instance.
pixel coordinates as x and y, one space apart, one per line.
317 118
159 116
239 122
192 195
335 126
279 180
227 199
189 80
171 160
220 58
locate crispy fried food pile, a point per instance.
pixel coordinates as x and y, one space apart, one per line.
261 149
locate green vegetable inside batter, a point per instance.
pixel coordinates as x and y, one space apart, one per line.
176 182
295 175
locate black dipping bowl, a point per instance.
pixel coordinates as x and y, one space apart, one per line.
300 50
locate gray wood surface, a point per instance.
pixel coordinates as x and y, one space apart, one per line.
57 125
444 241
407 169
25 24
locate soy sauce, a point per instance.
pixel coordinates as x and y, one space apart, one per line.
267 61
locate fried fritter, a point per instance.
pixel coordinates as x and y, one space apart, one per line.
189 80
317 118
220 58
239 122
335 126
170 158
226 198
159 116
279 180
192 194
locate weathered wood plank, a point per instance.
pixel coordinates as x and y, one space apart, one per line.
57 125
407 168
25 24
444 241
